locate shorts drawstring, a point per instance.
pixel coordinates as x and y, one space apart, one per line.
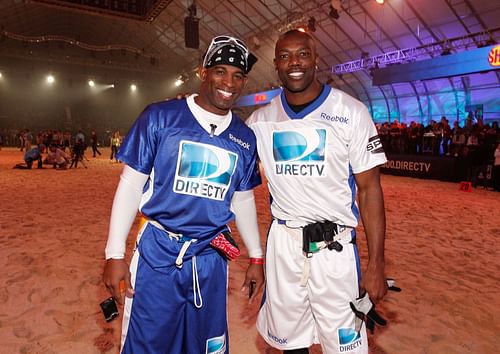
179 261
196 285
182 252
305 272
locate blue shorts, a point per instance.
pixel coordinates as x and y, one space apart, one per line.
177 310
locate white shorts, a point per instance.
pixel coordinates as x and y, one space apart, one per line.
293 316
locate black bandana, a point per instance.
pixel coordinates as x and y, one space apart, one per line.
227 54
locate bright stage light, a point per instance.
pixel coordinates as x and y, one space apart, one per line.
133 87
91 83
181 79
50 79
0 75
381 2
112 85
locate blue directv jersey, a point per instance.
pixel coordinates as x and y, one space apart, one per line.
193 174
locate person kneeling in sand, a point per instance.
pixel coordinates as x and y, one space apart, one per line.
34 154
57 158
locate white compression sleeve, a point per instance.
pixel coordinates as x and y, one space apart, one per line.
125 205
243 207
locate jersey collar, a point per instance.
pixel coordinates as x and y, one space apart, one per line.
314 104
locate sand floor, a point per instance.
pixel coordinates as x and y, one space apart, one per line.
440 247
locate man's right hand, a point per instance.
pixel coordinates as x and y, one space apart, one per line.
115 272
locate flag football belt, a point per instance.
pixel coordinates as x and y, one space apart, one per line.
318 236
321 235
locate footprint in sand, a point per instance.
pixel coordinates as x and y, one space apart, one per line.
105 341
26 349
4 295
35 296
65 320
19 276
21 331
21 258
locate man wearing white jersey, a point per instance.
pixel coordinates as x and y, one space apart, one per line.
318 145
191 166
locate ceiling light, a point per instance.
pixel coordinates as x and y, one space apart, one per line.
181 79
91 83
133 87
50 79
381 2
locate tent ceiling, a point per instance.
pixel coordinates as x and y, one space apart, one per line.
77 31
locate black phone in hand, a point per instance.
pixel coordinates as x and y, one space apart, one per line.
109 309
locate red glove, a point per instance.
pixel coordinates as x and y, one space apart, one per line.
226 245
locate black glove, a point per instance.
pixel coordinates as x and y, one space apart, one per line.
364 309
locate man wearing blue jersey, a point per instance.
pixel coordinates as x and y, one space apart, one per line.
318 145
190 169
30 156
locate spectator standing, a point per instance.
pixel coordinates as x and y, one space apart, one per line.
21 140
94 143
115 145
80 137
78 152
457 140
27 138
496 169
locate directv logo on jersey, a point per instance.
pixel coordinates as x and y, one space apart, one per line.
204 170
349 339
300 152
216 345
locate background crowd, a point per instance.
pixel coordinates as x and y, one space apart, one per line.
63 149
475 143
440 138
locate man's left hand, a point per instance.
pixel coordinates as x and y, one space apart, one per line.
374 282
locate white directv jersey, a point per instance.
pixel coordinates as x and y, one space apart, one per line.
315 153
310 159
